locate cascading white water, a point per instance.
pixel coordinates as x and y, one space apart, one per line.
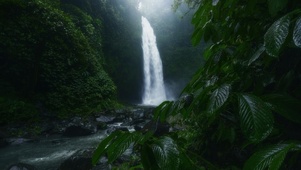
154 90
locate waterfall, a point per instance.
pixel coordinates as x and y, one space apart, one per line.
154 90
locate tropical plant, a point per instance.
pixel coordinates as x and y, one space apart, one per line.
242 109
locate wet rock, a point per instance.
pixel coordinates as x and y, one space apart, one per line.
73 131
122 159
110 130
105 119
81 160
139 124
101 125
187 100
138 128
137 113
21 166
102 164
18 141
121 112
79 127
157 127
47 128
125 129
102 167
119 118
139 121
114 128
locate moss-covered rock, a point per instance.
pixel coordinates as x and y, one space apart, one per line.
48 58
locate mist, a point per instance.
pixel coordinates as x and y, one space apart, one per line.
173 31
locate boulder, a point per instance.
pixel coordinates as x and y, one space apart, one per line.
157 127
18 141
81 160
101 125
105 119
74 131
139 124
103 164
137 113
22 166
119 118
187 99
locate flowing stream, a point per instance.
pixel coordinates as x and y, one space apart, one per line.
47 153
154 89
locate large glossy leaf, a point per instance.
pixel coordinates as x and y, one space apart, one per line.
276 5
218 98
271 157
148 158
120 145
276 36
200 98
286 106
255 116
297 33
166 154
103 146
256 55
162 111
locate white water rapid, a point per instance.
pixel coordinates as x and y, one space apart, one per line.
154 89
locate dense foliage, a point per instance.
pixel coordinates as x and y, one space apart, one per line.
50 61
242 109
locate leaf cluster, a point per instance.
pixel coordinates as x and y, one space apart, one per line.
241 110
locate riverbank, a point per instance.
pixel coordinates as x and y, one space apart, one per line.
48 144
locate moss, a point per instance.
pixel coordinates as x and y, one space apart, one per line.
49 58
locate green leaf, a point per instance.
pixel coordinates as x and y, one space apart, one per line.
145 137
286 106
276 5
166 153
200 98
256 55
256 117
218 98
148 158
196 36
186 162
297 33
120 144
197 17
103 146
208 32
271 157
276 35
162 111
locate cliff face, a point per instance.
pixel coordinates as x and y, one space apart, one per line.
51 59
